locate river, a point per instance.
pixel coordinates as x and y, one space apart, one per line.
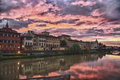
80 67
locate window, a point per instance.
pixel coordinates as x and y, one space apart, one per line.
3 34
28 38
6 41
0 40
7 46
10 41
11 35
3 41
2 46
26 43
7 34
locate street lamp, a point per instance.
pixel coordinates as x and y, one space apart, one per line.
23 46
19 52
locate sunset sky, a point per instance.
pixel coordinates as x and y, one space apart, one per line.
85 20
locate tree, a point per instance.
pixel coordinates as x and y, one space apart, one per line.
63 43
74 49
101 46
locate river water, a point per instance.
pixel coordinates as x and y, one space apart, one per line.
80 67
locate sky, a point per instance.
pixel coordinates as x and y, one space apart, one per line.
85 20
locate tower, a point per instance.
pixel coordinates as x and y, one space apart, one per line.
96 41
7 26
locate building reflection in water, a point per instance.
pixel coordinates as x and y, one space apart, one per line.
79 66
9 70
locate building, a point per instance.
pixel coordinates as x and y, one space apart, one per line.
39 42
46 42
27 41
9 40
52 43
83 45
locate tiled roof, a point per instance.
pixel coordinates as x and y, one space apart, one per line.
6 29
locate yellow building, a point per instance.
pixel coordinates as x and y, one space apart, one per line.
40 42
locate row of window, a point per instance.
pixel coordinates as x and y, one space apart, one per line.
9 35
9 41
47 45
41 44
52 45
52 39
6 46
42 40
28 44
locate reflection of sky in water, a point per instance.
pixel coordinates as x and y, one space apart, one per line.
107 68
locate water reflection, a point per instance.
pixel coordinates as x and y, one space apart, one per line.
82 67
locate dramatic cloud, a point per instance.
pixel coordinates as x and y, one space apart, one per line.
112 8
117 29
82 19
14 24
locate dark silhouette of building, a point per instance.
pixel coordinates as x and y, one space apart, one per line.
9 40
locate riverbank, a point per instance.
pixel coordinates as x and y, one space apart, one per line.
49 55
62 77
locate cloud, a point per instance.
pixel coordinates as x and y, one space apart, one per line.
15 24
7 5
41 25
80 23
85 23
79 18
66 21
116 29
78 10
70 6
112 43
64 30
70 21
111 9
94 30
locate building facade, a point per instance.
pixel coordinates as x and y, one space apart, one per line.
83 45
9 40
46 42
52 43
39 42
27 41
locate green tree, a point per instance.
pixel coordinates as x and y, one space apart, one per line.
101 46
63 43
74 49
